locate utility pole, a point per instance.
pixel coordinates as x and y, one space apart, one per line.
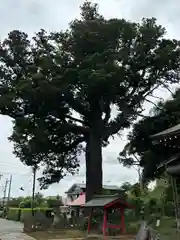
33 189
5 190
9 190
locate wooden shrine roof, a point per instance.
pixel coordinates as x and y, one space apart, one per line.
168 132
170 161
174 170
106 201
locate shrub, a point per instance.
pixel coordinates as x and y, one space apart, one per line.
26 212
130 215
54 202
169 209
132 228
14 202
18 214
46 211
14 214
27 203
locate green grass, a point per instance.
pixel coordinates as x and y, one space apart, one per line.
167 228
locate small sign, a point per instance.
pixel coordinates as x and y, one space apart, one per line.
157 223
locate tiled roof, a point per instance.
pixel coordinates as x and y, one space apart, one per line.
103 200
170 161
174 170
83 185
168 132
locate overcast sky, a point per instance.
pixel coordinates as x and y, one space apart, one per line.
32 15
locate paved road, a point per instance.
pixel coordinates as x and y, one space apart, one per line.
10 230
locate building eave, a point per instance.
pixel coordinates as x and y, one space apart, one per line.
175 130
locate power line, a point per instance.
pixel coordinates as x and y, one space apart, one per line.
12 163
10 166
15 174
9 169
4 172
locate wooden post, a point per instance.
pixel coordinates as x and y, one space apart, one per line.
123 230
90 221
104 227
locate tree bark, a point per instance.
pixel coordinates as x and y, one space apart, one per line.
140 178
94 173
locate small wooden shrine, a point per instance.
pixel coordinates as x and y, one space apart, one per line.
107 202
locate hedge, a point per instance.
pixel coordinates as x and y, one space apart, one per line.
25 212
18 214
14 214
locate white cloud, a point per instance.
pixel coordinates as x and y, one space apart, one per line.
30 16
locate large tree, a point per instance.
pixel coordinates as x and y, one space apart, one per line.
164 115
61 87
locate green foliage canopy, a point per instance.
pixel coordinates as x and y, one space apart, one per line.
165 115
60 88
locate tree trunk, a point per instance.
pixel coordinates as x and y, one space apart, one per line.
140 178
93 166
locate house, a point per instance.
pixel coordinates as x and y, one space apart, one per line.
78 188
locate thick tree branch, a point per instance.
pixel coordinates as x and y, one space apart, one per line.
166 87
137 159
151 91
141 115
107 113
74 119
75 104
159 98
135 164
75 128
147 100
122 120
115 126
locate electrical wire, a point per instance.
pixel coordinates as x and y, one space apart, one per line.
10 172
9 169
3 164
14 174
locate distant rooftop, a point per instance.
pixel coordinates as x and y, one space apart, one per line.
108 187
83 185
